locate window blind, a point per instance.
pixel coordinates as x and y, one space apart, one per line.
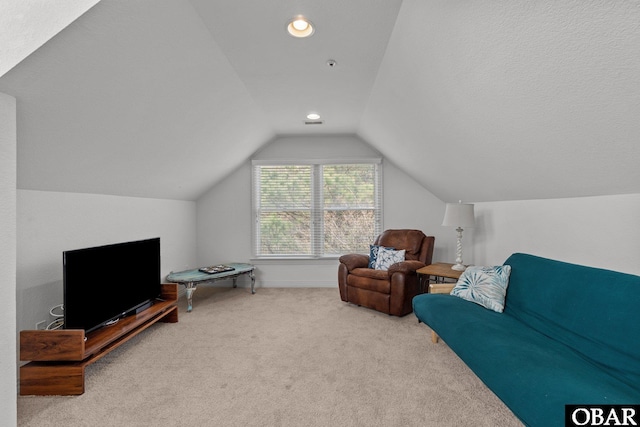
316 209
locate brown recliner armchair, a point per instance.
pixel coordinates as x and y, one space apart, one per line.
389 291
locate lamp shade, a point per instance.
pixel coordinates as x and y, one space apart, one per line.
458 215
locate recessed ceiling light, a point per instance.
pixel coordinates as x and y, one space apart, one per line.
313 116
300 27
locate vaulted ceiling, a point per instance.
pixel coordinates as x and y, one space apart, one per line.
478 101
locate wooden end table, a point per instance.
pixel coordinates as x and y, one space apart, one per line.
440 271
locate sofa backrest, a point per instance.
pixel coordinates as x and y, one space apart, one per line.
594 311
417 246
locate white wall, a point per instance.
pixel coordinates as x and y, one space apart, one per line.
224 213
599 231
51 222
8 399
407 204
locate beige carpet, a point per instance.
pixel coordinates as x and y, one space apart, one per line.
281 357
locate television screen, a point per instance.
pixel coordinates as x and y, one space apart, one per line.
104 283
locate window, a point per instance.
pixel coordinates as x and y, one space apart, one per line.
316 209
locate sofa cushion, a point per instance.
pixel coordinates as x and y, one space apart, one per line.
388 257
370 273
592 310
370 279
535 376
486 286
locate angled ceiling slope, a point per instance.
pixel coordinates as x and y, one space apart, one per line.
485 100
476 100
134 98
25 25
164 98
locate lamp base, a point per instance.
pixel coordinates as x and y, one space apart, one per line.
458 267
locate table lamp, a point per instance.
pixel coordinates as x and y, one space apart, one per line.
458 215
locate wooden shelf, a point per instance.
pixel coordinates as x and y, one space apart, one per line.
58 358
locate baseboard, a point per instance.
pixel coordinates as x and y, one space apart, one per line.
182 290
295 284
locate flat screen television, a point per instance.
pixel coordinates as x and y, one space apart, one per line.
105 283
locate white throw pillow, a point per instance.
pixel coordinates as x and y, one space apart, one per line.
486 286
373 255
387 257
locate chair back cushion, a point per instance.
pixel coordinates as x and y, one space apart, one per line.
412 241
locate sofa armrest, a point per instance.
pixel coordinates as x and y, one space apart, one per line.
406 267
352 261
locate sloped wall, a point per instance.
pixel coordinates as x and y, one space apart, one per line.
515 100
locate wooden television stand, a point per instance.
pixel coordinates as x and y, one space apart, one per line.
57 358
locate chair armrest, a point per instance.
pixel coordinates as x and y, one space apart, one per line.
355 261
406 267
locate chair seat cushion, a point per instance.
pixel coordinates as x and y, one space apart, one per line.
370 273
370 279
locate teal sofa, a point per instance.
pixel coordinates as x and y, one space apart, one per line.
569 335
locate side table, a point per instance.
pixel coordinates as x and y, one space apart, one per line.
191 278
439 271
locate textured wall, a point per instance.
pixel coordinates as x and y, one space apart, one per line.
511 100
